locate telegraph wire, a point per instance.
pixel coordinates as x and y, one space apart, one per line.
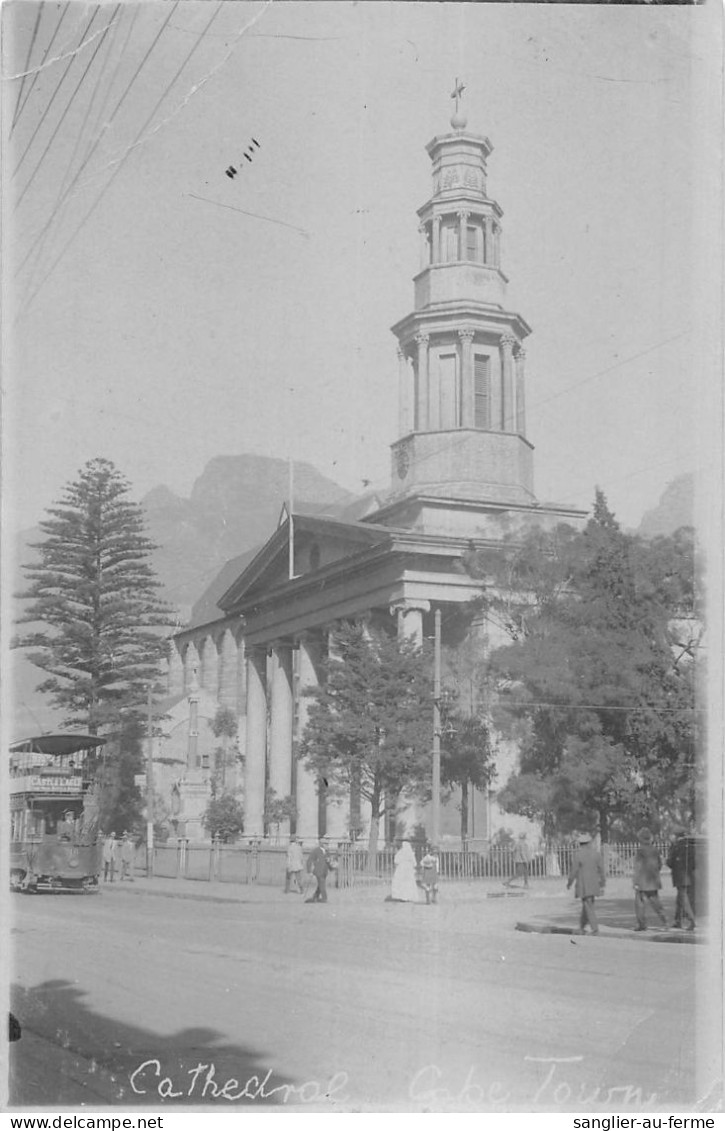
53 95
27 64
68 105
98 140
122 161
256 215
45 53
42 61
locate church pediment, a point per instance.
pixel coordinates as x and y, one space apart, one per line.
317 543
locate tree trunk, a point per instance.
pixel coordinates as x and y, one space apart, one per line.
374 829
464 811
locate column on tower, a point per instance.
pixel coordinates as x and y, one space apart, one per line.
497 245
405 423
424 247
256 741
488 241
462 243
507 387
436 255
307 795
520 394
422 390
468 410
280 729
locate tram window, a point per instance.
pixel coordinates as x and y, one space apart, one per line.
16 824
51 822
35 824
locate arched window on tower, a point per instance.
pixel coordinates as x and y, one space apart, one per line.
482 391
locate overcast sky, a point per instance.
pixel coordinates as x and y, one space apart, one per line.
160 330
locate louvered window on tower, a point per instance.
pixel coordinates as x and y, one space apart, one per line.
450 243
482 391
472 244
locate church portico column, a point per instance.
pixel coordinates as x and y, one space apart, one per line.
256 742
422 417
467 386
280 730
507 386
227 693
410 619
176 671
191 664
520 394
307 797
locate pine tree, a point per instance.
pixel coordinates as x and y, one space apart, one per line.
93 595
370 723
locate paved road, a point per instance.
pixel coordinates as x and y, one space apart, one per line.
356 1005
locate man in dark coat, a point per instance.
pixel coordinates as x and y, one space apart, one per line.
318 865
587 871
646 880
680 861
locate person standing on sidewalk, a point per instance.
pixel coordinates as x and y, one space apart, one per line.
318 865
110 853
646 881
522 860
295 864
587 872
128 853
680 861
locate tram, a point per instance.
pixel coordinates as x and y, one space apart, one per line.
54 835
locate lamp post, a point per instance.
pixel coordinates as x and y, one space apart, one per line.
436 782
149 783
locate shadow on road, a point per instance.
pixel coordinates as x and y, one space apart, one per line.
70 1055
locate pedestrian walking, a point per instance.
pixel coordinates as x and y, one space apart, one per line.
681 862
404 887
128 852
318 865
522 861
646 880
295 864
587 873
430 871
110 858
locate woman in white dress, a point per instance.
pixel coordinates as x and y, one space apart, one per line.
405 889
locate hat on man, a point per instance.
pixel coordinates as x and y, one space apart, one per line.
645 835
679 831
584 838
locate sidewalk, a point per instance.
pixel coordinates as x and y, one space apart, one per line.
545 907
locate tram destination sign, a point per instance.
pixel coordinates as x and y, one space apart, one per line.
34 783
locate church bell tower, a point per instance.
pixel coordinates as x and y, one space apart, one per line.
462 443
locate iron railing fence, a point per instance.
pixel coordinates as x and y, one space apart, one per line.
266 864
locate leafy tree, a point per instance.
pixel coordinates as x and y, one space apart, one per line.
278 809
370 723
467 757
597 683
224 725
223 817
94 595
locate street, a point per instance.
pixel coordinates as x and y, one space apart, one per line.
132 997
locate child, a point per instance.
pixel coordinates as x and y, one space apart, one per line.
429 868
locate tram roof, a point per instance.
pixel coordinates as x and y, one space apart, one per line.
56 744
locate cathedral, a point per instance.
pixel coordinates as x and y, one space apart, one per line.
461 476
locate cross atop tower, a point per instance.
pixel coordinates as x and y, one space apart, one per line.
458 119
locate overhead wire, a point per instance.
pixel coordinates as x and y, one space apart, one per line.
68 105
42 61
120 165
27 63
99 138
55 92
80 132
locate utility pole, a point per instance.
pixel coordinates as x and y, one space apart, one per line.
150 784
436 784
